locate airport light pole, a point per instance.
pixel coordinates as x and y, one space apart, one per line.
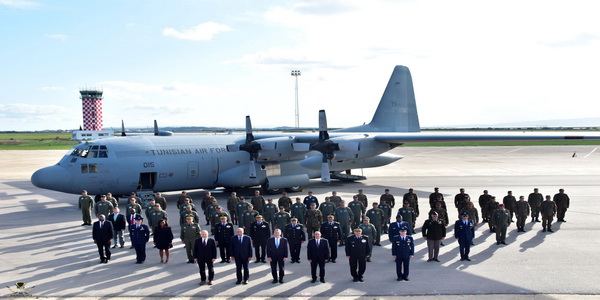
296 73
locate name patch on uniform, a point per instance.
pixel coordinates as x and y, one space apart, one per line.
364 241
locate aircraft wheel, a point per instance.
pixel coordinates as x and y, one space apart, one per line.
272 191
294 189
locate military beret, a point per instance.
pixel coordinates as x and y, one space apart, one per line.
138 217
357 230
501 205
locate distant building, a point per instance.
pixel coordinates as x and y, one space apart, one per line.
91 101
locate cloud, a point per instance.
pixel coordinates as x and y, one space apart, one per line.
203 32
51 88
19 4
60 37
18 116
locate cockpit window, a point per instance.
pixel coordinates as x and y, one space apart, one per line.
95 151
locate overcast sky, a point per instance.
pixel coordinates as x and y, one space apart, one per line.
211 63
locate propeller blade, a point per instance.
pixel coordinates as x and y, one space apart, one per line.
249 136
325 175
323 135
123 128
155 128
252 169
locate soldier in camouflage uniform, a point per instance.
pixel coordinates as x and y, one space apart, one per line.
562 203
521 212
281 219
162 201
156 215
335 199
389 198
484 199
358 209
190 231
231 207
86 203
492 206
188 212
501 220
327 207
408 216
247 218
285 201
112 200
370 232
181 198
535 199
314 218
376 217
509 202
548 211
216 218
387 210
258 201
345 216
298 210
363 199
269 211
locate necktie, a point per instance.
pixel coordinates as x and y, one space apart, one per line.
317 243
276 243
204 241
115 218
466 223
240 239
101 224
330 224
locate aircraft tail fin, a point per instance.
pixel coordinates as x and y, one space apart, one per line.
397 110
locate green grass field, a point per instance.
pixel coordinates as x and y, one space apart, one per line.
60 141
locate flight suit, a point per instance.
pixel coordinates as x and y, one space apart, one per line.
345 216
240 208
103 207
535 200
358 249
286 202
247 218
387 211
327 208
522 212
370 232
389 199
155 216
269 211
298 210
314 218
408 216
562 203
376 217
501 220
333 233
358 209
231 208
86 203
280 220
548 210
295 236
189 234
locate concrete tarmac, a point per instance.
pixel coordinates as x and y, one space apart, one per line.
43 244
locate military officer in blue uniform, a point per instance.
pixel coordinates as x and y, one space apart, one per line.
295 235
260 232
395 227
403 249
140 234
357 252
463 232
223 234
332 231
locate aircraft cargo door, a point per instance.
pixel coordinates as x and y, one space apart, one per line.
192 170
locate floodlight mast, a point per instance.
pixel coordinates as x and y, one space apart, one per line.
297 73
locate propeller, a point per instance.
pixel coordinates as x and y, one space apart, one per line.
123 128
325 146
251 146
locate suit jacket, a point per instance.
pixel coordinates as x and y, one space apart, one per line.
463 232
275 253
103 234
129 219
205 253
357 247
119 224
403 248
241 250
320 253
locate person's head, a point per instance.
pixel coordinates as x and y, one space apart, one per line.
317 235
101 217
116 210
281 209
233 194
157 194
375 204
366 220
501 206
310 193
213 202
131 200
462 190
294 221
240 231
139 220
398 218
535 190
250 207
469 204
183 193
405 204
387 191
298 200
383 201
157 207
561 191
333 193
103 198
186 201
493 199
327 199
343 203
84 193
284 193
258 218
277 233
189 219
521 198
485 192
436 189
188 208
270 201
223 219
464 216
510 193
434 216
402 232
355 198
218 208
204 234
330 218
357 232
133 194
548 198
256 192
242 199
313 206
410 190
360 191
207 194
162 223
151 202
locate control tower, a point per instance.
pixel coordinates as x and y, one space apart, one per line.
91 101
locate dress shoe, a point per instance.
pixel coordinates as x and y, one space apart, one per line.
462 259
190 262
222 261
472 244
115 246
503 243
257 261
333 261
238 282
563 220
378 244
550 230
313 280
436 259
369 259
398 279
322 280
138 262
245 282
497 243
202 282
131 247
537 220
441 244
84 224
101 261
281 280
121 246
355 280
275 281
467 259
544 230
210 283
106 261
406 279
264 261
431 259
361 279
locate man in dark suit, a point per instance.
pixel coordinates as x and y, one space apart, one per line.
277 253
403 249
119 224
357 251
463 232
317 251
102 233
240 248
205 253
140 234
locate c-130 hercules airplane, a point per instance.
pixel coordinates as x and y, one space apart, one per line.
165 162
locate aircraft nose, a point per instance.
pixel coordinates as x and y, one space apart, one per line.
51 178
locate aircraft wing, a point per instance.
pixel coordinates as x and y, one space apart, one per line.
429 137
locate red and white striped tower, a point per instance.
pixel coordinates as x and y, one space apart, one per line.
92 109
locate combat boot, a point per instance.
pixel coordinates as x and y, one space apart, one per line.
550 229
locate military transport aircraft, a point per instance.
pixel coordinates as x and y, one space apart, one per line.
172 162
